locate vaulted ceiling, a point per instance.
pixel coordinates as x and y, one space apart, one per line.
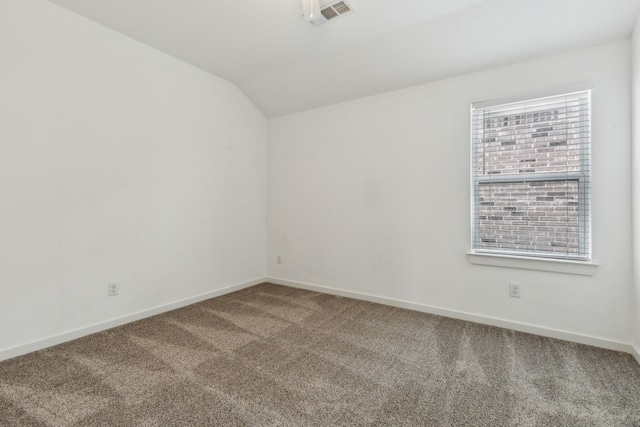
285 64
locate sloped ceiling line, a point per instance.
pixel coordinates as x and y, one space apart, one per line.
284 64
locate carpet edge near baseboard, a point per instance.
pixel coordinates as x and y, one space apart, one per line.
40 344
470 317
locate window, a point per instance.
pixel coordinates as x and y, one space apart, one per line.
531 177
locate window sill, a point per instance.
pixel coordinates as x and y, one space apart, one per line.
584 268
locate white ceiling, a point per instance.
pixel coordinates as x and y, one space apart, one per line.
285 64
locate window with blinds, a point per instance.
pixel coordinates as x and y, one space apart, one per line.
531 177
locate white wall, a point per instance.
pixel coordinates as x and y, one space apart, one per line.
635 78
117 162
372 196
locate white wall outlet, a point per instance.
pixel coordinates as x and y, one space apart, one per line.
279 259
514 289
114 288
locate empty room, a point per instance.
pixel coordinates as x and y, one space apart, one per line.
320 213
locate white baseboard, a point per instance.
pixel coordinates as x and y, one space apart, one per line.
476 318
102 326
486 320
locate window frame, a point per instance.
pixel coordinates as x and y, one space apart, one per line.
583 178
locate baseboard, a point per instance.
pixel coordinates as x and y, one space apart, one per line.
476 318
102 326
486 320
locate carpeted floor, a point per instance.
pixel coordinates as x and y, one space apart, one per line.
276 356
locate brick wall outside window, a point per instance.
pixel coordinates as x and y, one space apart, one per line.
534 217
522 201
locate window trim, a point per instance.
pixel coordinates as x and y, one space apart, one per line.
529 260
556 265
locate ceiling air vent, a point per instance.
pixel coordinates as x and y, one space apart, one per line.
334 10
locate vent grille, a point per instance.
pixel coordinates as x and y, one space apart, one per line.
342 8
329 13
335 10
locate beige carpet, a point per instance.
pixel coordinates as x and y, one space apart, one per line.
276 356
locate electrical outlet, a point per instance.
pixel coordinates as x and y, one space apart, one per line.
114 288
514 290
279 259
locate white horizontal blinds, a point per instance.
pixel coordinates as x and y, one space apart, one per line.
531 177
